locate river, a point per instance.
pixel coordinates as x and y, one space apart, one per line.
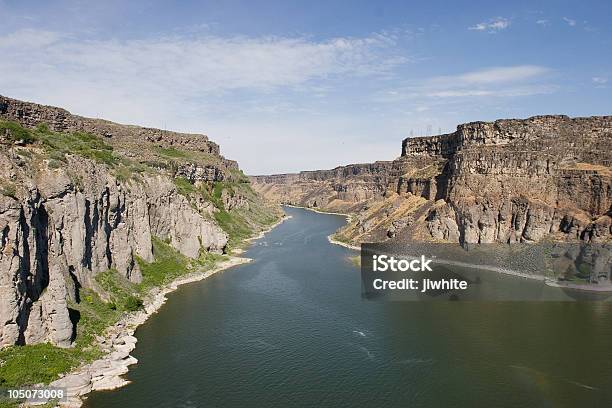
292 330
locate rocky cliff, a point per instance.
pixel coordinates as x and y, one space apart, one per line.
80 197
546 177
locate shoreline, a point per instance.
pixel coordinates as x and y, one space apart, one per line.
579 287
118 341
348 217
504 271
330 238
262 233
342 244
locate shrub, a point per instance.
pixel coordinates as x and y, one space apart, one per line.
16 132
168 264
184 186
9 190
133 303
83 144
172 153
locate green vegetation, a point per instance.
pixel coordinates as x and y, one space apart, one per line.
43 363
133 303
240 222
34 364
93 316
340 238
170 264
79 143
171 158
24 153
167 266
121 292
57 145
127 170
16 133
184 186
9 190
172 153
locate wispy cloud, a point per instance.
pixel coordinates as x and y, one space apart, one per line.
600 81
495 75
511 81
105 76
543 22
493 25
570 22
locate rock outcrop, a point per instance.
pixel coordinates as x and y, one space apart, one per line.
68 215
546 177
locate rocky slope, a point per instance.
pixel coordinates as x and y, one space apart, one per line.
82 196
546 177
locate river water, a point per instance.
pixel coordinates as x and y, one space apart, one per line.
291 330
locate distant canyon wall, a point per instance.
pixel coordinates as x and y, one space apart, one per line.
515 180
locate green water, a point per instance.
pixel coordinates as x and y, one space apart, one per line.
291 330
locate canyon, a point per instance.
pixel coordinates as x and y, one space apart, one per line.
94 215
507 181
85 199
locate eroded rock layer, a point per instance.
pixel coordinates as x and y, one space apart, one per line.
503 181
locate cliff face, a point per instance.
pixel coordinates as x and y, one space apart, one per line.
517 181
78 199
502 181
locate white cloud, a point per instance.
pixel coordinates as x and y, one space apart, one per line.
495 75
569 21
136 80
29 38
513 91
543 22
600 81
492 25
512 81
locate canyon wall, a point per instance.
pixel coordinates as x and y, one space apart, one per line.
504 181
344 188
83 196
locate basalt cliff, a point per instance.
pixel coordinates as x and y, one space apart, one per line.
541 178
82 198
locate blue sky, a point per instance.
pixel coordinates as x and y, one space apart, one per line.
290 85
